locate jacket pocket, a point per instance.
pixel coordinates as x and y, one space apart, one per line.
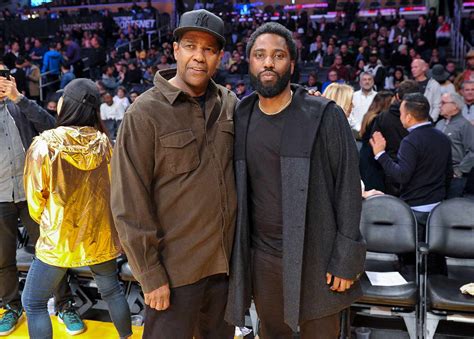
181 151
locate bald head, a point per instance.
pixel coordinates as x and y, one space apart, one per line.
418 69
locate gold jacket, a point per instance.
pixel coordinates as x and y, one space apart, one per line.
67 185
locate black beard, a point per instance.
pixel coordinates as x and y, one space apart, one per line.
272 90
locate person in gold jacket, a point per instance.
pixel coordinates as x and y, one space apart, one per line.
67 184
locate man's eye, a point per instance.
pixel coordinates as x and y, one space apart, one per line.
280 56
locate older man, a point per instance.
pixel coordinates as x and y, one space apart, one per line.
467 90
461 133
362 100
173 192
429 86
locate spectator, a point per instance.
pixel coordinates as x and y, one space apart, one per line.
375 67
451 69
425 35
428 86
338 66
461 133
389 124
133 75
362 100
121 98
52 65
67 75
401 57
241 90
400 34
32 76
370 170
328 57
423 166
359 69
436 58
239 65
73 56
313 83
443 32
97 58
73 210
110 81
348 58
441 76
467 90
122 40
133 96
20 121
111 114
163 63
342 95
393 82
10 57
468 74
38 52
52 108
332 78
20 75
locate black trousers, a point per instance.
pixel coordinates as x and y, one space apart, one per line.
267 280
195 310
9 286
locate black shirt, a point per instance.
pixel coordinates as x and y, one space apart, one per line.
423 85
263 166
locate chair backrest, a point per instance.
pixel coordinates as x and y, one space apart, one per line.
451 228
388 225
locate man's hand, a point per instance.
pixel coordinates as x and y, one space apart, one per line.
339 284
159 299
8 88
371 193
378 143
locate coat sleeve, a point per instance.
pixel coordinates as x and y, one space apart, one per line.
348 253
467 163
403 170
132 199
37 115
36 178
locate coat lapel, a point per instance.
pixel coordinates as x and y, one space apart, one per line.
298 137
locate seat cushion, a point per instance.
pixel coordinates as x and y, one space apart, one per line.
444 294
126 273
402 295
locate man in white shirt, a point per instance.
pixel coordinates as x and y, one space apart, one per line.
111 114
361 100
429 86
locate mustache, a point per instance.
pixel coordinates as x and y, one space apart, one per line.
268 71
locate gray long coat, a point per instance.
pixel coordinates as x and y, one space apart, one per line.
321 202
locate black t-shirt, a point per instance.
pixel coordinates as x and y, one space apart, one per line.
263 166
423 85
202 102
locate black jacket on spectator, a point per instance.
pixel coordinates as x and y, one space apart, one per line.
30 119
388 123
20 79
9 60
97 57
423 166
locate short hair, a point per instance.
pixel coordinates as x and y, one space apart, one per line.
366 73
273 28
417 106
457 99
467 82
341 94
407 87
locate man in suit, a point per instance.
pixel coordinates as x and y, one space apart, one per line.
297 248
423 166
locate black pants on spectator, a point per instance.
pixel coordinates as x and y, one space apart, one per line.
195 310
9 286
267 281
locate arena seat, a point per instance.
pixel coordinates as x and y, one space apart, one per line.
451 234
389 228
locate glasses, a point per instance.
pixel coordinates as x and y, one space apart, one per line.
446 102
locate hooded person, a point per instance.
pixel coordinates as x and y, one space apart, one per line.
67 184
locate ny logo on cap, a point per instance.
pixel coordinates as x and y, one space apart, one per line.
202 19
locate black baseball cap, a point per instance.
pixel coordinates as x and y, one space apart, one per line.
83 91
203 21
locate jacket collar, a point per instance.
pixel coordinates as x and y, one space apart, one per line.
170 92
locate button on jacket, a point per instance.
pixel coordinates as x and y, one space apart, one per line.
173 190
